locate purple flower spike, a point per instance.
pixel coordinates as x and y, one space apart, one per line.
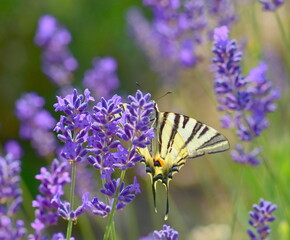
36 123
102 79
261 216
64 209
99 208
112 122
10 193
172 39
57 61
167 233
74 125
12 147
60 236
126 194
51 187
239 155
247 100
271 5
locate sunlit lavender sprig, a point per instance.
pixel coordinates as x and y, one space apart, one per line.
51 187
271 5
167 233
261 216
36 123
102 78
74 126
112 123
10 193
57 61
96 135
246 100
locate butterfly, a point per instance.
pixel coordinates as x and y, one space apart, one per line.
177 138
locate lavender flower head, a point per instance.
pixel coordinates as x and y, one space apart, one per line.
177 41
261 216
95 135
74 126
10 193
113 122
52 183
36 123
239 155
12 147
172 39
57 61
167 233
102 79
246 100
271 5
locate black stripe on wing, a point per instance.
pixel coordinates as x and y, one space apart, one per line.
214 141
173 132
185 121
204 131
196 128
165 115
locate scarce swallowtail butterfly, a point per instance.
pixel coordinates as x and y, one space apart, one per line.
177 138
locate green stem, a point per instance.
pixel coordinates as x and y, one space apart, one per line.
281 28
71 198
111 226
285 39
235 199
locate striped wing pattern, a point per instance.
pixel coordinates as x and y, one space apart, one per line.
178 138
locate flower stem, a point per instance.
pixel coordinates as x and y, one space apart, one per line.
111 226
71 198
235 202
285 39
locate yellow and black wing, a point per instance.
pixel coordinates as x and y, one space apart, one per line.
177 138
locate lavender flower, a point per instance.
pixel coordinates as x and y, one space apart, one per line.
36 123
10 194
167 233
247 100
102 79
177 30
52 182
57 61
60 236
223 11
239 155
271 5
74 127
114 188
176 39
107 130
111 123
64 208
260 218
147 41
12 147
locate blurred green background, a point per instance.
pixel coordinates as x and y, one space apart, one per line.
210 194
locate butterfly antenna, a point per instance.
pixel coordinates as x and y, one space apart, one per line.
138 85
169 92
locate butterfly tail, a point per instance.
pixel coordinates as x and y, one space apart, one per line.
154 194
167 201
